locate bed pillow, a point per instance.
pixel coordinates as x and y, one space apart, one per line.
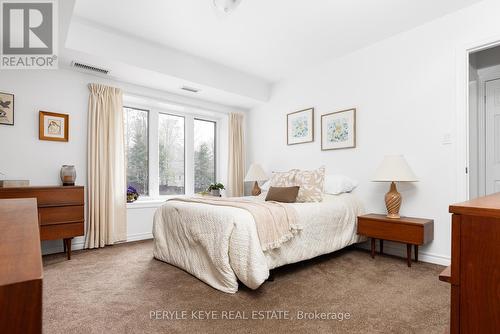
338 184
283 194
283 179
311 185
266 185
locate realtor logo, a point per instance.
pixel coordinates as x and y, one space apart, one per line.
28 34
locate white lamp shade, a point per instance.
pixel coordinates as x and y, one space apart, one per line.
256 173
394 168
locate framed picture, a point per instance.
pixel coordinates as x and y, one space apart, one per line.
6 108
53 126
300 127
338 130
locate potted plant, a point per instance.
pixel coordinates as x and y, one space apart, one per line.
215 189
132 194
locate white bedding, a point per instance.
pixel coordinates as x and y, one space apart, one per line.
220 245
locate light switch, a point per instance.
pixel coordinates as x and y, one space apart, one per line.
447 139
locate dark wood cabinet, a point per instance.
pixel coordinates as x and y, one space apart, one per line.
60 211
474 273
20 267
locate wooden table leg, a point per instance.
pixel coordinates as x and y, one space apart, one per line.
373 248
381 244
408 254
68 246
416 253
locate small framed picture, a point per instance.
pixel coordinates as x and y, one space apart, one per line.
300 127
53 126
338 130
6 108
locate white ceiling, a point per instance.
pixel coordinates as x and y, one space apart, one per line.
270 39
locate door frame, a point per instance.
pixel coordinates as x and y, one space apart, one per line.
484 76
462 113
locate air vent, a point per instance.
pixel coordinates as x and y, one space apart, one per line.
89 67
190 89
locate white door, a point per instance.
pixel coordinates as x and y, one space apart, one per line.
492 136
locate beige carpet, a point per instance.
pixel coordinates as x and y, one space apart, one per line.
113 290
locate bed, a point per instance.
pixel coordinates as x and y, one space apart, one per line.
220 244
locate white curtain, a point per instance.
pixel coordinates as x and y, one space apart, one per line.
236 154
106 219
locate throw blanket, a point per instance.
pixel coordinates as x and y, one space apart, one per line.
276 222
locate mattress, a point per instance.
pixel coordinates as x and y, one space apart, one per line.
220 245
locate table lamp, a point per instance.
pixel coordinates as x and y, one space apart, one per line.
256 173
394 168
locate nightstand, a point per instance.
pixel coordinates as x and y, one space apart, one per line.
411 231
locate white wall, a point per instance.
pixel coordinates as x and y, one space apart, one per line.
23 155
405 92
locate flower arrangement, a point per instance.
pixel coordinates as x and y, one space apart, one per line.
132 194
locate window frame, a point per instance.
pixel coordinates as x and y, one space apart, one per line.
216 148
189 116
148 134
184 149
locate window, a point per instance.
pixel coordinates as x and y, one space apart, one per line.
204 154
136 142
171 154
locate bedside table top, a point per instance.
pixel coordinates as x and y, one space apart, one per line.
404 220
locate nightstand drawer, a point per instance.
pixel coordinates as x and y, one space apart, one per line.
412 234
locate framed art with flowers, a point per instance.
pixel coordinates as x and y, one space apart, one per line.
300 127
338 130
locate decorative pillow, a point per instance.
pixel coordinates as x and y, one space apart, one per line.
338 184
283 179
266 185
311 185
283 194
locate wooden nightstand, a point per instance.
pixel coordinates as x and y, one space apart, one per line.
411 231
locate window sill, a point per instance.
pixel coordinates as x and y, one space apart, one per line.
146 203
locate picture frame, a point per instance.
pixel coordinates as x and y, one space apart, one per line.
6 108
338 130
300 127
53 126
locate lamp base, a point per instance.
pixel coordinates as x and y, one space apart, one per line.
393 202
256 191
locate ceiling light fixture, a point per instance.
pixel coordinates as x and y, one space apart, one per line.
226 6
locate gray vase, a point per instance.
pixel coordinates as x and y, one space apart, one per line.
215 192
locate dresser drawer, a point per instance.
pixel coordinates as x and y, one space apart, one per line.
61 214
61 231
47 196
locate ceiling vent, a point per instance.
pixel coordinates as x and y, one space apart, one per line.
190 89
90 68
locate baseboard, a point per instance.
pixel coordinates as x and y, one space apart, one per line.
52 248
393 249
139 236
79 243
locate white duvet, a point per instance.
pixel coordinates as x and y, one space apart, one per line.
220 245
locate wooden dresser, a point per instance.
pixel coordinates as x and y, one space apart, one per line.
20 267
60 211
474 273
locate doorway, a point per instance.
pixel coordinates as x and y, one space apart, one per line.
484 122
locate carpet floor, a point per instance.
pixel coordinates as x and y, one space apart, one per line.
117 289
